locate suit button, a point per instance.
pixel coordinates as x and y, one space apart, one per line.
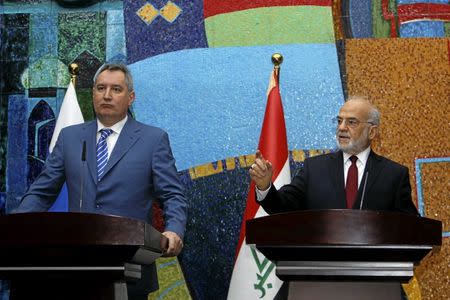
97 206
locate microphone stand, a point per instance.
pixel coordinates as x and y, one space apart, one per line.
83 162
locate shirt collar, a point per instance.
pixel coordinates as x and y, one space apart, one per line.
362 156
117 128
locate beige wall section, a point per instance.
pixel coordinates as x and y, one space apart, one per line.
409 80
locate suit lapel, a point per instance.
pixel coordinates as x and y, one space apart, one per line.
89 135
128 136
373 168
337 169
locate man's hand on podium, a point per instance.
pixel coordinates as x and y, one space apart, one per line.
174 244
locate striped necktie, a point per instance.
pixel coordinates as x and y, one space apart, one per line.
102 152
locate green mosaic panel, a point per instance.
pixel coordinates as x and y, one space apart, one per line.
84 97
380 27
79 32
274 25
46 72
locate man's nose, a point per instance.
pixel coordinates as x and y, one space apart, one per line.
342 126
107 94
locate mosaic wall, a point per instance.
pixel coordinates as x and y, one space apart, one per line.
201 70
409 80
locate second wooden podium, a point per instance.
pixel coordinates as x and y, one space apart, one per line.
344 254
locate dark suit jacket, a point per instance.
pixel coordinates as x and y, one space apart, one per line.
141 169
319 184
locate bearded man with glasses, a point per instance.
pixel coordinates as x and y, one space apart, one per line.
355 177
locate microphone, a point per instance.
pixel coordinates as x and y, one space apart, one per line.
364 190
83 162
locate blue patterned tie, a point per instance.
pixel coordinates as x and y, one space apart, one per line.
102 152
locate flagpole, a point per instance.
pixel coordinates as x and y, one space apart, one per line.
277 60
73 70
253 274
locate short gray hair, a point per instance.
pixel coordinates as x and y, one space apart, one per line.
374 113
117 67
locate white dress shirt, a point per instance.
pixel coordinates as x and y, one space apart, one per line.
360 164
112 138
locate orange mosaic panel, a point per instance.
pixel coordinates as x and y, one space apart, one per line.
409 81
436 191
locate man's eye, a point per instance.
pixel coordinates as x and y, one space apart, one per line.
117 90
100 88
352 122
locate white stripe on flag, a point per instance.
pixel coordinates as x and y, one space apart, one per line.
254 275
69 114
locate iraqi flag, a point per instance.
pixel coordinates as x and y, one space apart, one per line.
69 114
253 274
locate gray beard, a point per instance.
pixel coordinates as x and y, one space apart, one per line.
354 147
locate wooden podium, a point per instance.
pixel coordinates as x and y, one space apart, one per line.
344 254
74 255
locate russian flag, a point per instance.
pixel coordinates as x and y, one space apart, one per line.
69 114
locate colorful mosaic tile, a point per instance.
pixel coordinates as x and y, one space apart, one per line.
147 13
170 11
409 81
80 32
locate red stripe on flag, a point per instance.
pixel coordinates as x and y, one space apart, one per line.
273 141
273 146
216 7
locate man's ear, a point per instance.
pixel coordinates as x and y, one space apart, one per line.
373 132
131 98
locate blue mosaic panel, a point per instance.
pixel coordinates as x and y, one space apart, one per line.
147 38
46 6
41 124
88 65
399 2
212 231
43 36
14 51
212 101
115 36
216 205
423 29
3 142
17 150
361 18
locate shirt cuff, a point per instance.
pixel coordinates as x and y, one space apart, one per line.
261 195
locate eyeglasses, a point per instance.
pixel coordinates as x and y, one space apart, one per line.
351 122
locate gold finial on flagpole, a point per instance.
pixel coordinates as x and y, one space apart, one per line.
277 60
73 70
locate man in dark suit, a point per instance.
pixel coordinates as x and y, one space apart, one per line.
128 165
324 182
